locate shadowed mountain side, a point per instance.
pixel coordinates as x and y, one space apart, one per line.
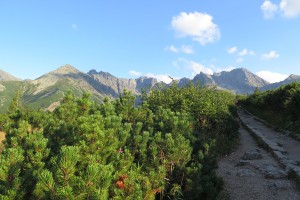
239 81
290 79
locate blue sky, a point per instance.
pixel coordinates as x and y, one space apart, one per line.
151 38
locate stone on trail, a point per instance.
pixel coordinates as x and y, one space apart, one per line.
273 172
279 185
253 154
243 163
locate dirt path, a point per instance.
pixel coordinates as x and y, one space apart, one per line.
250 172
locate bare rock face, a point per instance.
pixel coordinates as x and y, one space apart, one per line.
184 81
118 85
240 81
204 79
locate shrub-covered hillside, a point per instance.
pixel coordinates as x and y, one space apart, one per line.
280 107
165 148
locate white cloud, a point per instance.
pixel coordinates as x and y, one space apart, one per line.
227 69
252 53
232 50
160 77
239 60
198 26
184 49
290 8
243 52
74 26
271 77
197 68
191 68
269 9
171 48
270 55
187 49
135 73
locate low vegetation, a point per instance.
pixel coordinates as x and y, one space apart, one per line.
279 107
2 138
165 148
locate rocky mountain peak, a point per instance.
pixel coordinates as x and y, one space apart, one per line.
66 69
103 74
238 80
293 77
92 71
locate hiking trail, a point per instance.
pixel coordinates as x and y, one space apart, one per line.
254 172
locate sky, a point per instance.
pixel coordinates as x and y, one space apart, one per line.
131 38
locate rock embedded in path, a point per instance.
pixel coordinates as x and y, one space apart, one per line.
243 163
279 155
279 185
253 154
273 172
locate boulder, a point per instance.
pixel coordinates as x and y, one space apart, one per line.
253 154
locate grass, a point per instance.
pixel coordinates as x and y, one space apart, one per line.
6 96
41 100
49 95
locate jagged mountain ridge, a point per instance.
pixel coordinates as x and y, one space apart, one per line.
47 90
240 80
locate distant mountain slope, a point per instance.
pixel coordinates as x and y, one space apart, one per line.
47 90
4 76
290 79
8 89
115 86
9 85
203 79
240 81
50 88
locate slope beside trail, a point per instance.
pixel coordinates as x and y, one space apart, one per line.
251 172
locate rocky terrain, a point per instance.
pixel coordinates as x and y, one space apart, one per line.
240 81
264 171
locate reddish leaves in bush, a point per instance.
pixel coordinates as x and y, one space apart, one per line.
120 182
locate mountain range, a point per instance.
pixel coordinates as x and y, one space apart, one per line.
47 90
